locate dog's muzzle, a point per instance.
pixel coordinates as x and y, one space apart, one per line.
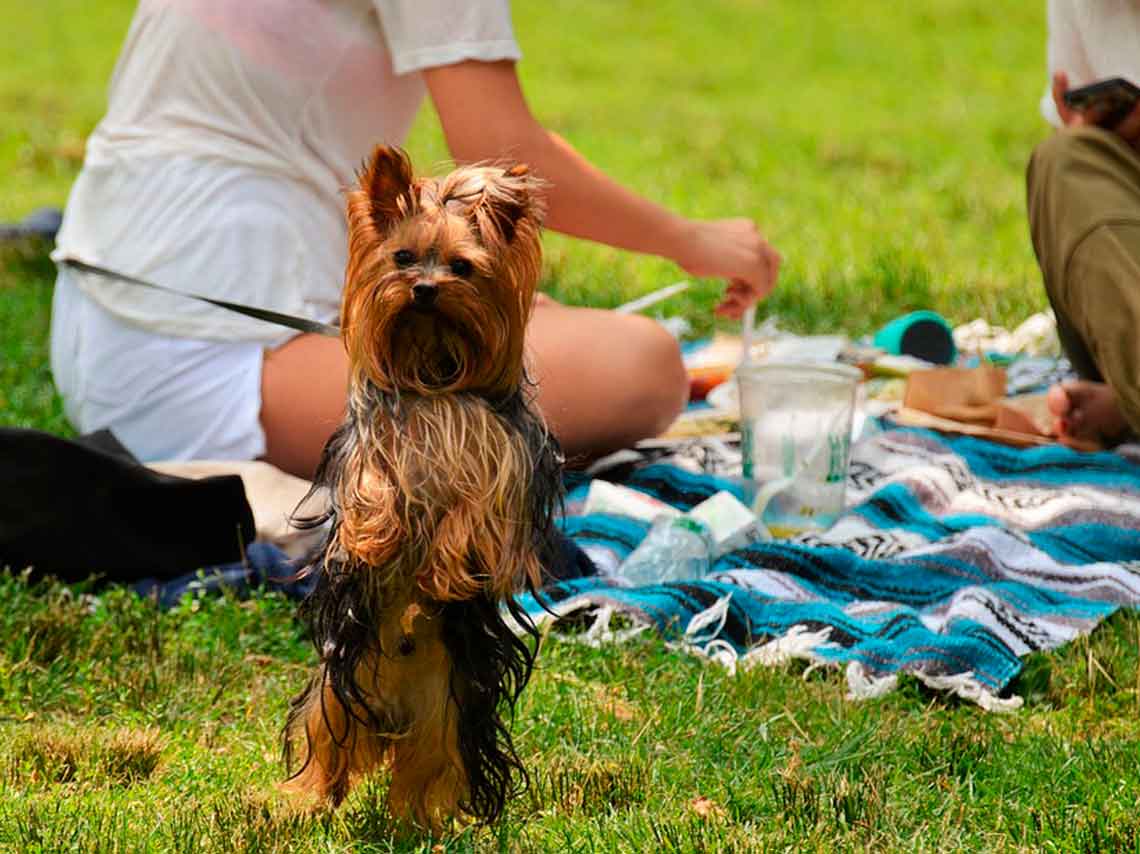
424 294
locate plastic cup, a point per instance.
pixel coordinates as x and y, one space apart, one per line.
796 440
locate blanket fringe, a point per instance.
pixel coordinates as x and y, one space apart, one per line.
702 638
798 642
600 632
861 685
596 636
969 688
710 621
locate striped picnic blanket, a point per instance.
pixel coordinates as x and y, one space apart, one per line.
956 558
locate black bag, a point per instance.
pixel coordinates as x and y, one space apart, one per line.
73 508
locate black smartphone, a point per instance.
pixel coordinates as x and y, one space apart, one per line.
1106 101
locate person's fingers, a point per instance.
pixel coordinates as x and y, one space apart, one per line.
763 267
739 289
1057 400
1059 405
1065 405
729 309
752 277
1060 87
734 249
737 293
741 293
774 262
744 291
1073 424
1070 117
737 298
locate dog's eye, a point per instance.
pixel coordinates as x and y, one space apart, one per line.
406 646
404 257
461 267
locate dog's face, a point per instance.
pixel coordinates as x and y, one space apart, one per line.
441 277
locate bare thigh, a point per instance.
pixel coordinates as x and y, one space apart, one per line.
304 387
605 381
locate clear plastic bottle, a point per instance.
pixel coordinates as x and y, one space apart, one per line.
677 548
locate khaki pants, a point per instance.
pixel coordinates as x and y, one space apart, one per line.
1084 215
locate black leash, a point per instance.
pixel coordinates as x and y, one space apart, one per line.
301 324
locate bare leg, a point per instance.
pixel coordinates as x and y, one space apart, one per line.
605 381
1084 409
304 386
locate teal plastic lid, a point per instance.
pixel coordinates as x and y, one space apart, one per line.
923 334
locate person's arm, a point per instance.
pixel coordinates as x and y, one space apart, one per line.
485 116
1065 55
1127 128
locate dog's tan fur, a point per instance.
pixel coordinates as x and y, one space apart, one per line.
442 483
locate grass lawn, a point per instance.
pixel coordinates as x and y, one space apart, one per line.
881 147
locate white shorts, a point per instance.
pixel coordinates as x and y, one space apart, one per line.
164 398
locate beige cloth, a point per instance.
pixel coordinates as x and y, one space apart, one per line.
273 495
967 395
972 401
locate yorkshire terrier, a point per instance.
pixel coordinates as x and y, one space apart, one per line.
443 484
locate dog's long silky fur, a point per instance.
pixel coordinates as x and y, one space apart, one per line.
442 487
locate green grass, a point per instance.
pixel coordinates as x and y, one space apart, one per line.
881 146
123 728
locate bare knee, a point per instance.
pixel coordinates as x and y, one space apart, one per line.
659 384
605 380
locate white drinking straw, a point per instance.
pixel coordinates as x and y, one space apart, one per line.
747 324
651 298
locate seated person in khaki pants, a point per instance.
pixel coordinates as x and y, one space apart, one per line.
1084 214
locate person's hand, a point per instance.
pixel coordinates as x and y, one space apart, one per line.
732 249
1069 117
1127 128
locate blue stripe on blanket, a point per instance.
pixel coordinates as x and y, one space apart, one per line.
1088 543
894 505
956 558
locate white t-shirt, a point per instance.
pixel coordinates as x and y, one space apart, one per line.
1091 40
233 127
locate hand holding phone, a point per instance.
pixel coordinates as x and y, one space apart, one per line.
1105 103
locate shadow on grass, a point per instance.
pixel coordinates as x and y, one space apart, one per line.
46 755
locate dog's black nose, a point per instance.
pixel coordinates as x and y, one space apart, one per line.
424 293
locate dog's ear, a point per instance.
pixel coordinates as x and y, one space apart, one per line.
511 198
385 188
